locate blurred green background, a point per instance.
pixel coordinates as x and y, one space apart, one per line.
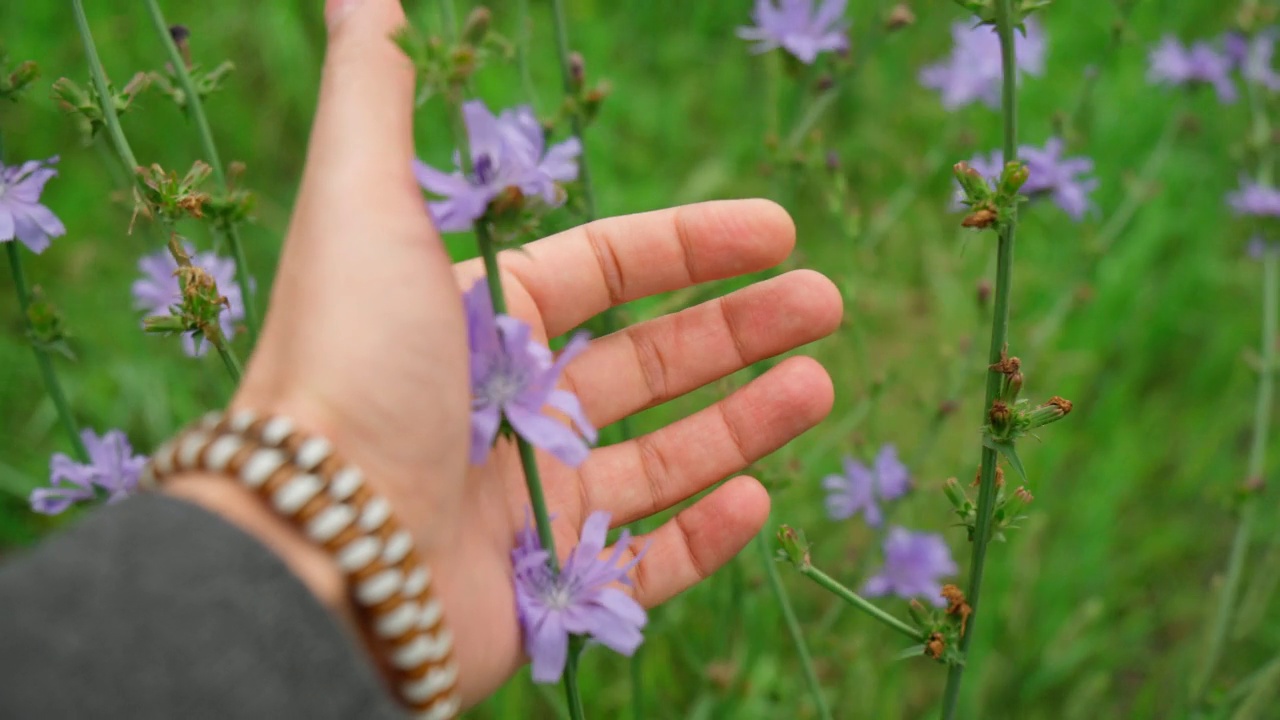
1144 314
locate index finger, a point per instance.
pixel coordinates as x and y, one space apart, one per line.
579 273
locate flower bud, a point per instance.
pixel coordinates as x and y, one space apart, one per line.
1000 417
1053 410
955 494
979 219
935 646
1014 176
984 293
577 71
1010 386
794 546
477 25
899 17
971 181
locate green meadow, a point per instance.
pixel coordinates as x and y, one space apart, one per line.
1146 315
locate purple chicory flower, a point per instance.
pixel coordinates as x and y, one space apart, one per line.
580 600
1172 63
112 467
798 27
22 217
506 151
158 290
1254 57
1255 199
972 73
913 565
514 377
1066 181
862 488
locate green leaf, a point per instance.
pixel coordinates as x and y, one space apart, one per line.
1006 449
914 651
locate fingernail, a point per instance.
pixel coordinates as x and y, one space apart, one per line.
335 11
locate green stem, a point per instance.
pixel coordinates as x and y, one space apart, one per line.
51 383
229 359
524 38
793 626
609 318
99 76
1227 601
572 694
999 344
861 603
195 108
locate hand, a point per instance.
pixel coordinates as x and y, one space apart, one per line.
365 343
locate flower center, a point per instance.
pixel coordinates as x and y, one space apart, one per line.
558 597
486 170
503 382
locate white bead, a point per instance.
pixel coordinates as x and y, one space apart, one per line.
241 420
313 452
189 449
431 613
439 645
357 554
261 465
345 483
210 419
375 513
221 451
446 709
276 430
418 580
332 520
398 621
379 588
434 682
411 655
162 458
296 493
397 547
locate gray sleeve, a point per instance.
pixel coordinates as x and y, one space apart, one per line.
155 609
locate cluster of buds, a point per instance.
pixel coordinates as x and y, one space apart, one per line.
165 195
900 16
1010 418
200 306
13 82
48 329
991 206
205 82
943 627
985 10
1009 507
446 67
86 104
583 101
233 205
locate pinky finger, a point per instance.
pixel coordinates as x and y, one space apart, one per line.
689 547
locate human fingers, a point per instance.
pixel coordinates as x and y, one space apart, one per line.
689 547
664 358
640 477
576 274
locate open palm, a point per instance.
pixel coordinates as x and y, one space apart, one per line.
365 342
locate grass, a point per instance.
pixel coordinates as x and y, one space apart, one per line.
1094 609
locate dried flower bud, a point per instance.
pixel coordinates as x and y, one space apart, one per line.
984 293
794 547
825 83
1024 495
1053 410
979 219
899 17
936 645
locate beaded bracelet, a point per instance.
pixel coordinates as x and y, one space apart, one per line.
301 478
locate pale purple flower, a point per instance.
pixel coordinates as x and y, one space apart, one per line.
1172 63
798 27
972 73
1255 199
21 214
913 565
1065 180
862 488
1253 56
112 468
581 600
158 290
514 377
506 151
